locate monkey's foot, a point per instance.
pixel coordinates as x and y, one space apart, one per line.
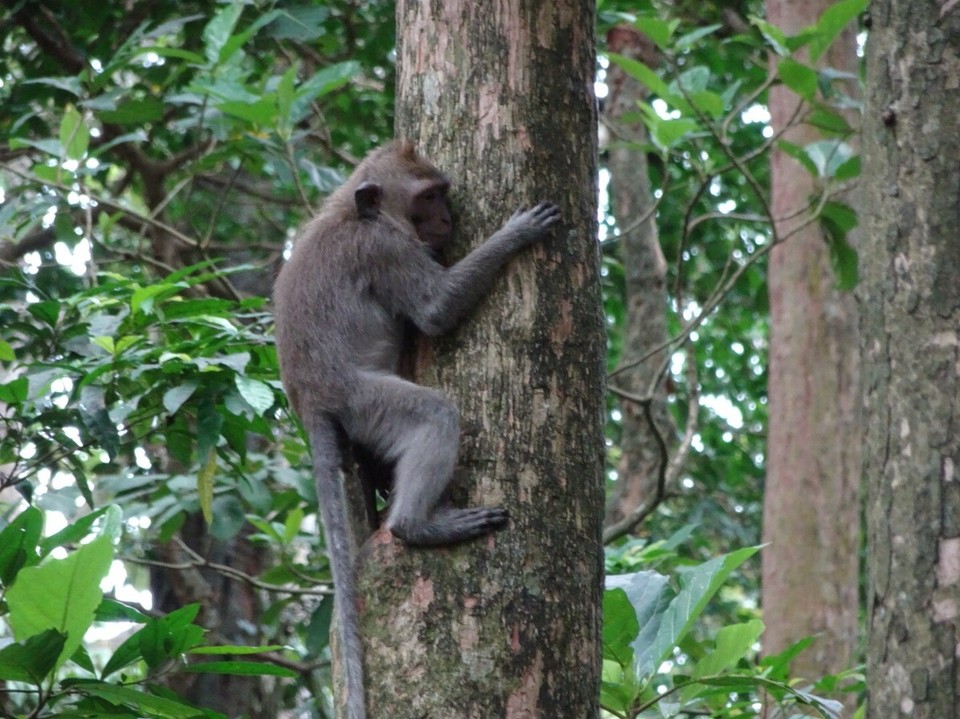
449 525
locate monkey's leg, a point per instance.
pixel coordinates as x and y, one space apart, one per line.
419 430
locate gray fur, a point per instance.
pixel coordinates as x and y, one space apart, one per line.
358 272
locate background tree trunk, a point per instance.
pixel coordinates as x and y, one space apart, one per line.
911 316
501 97
645 272
811 506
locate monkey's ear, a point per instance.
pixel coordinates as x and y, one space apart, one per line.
367 197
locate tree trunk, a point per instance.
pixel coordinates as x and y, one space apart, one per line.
501 97
811 506
645 272
911 341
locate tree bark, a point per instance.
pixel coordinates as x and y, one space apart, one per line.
911 341
811 506
501 97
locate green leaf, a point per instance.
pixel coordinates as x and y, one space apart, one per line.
33 659
15 391
688 40
660 31
241 669
6 352
834 19
134 112
174 397
828 155
257 394
74 532
641 73
60 594
798 154
217 32
798 77
205 486
649 595
47 311
829 121
236 649
317 636
848 169
700 583
262 112
18 544
168 637
772 34
836 220
145 703
732 644
74 134
322 83
620 627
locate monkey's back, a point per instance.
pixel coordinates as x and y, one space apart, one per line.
328 324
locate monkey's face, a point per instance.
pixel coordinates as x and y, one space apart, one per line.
430 215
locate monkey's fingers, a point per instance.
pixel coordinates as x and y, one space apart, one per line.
547 214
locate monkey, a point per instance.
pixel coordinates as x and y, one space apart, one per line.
362 271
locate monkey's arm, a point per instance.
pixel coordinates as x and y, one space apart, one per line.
436 299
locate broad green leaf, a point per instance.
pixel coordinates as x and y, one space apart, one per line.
257 394
170 636
688 40
649 595
261 112
848 169
620 627
33 659
773 35
829 121
134 112
699 583
217 32
641 73
110 610
146 704
798 154
828 155
836 220
668 133
74 134
732 644
60 594
834 19
18 544
660 31
322 83
6 352
15 391
798 77
174 397
317 636
94 415
241 669
236 649
240 39
47 311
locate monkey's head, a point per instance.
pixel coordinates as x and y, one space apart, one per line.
396 182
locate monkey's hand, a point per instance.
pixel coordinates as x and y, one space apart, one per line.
528 226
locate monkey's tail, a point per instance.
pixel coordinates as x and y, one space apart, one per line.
325 447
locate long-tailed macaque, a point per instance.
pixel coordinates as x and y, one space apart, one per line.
360 271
